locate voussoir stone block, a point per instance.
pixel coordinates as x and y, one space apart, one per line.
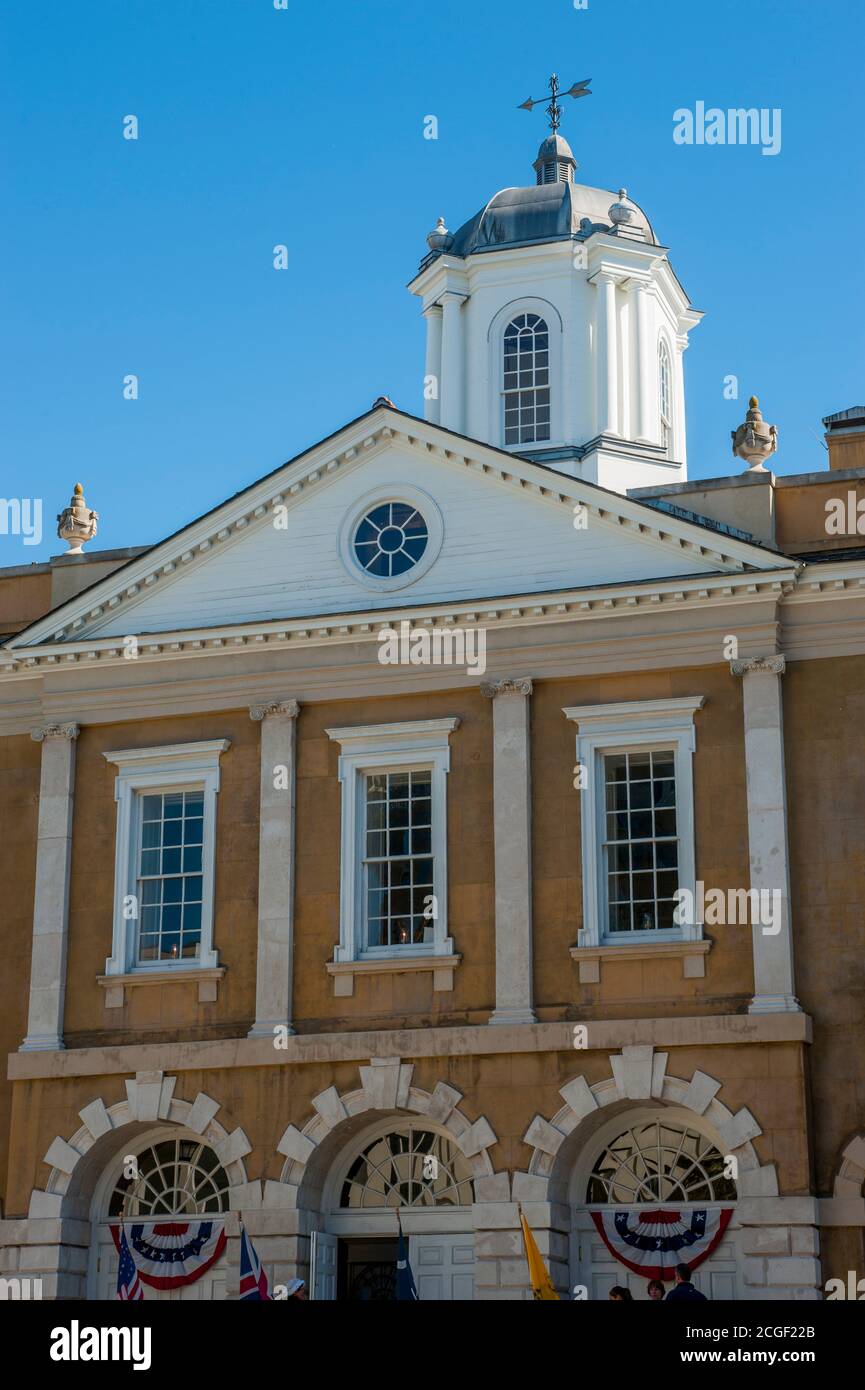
380 1083
203 1110
96 1117
541 1135
700 1093
330 1107
443 1102
296 1145
578 1095
478 1136
855 1151
738 1130
62 1155
235 1146
44 1204
145 1094
632 1071
758 1182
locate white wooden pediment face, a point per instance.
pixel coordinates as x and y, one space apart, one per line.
494 531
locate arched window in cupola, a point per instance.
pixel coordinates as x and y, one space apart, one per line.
665 396
526 380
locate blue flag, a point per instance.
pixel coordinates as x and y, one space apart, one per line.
405 1286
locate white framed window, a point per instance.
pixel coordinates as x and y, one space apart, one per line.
393 871
390 537
665 397
164 859
526 380
637 817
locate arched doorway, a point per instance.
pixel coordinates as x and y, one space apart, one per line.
396 1173
652 1180
168 1175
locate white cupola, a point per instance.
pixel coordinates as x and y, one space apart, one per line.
556 329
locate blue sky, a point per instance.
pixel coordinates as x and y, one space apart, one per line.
305 127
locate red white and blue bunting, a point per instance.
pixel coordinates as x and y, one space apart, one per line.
652 1243
169 1254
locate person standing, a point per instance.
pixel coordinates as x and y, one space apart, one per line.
655 1290
683 1288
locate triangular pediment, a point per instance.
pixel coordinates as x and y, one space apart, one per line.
497 525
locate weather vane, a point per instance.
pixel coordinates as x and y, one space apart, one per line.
554 111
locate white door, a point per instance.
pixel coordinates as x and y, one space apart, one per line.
323 1260
443 1267
598 1270
104 1283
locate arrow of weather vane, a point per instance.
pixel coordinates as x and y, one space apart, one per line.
554 111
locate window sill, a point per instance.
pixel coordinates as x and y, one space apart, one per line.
344 971
206 977
691 953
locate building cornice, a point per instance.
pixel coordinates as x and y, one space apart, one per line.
713 1030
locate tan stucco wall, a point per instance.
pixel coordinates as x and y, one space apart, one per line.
19 811
824 706
23 599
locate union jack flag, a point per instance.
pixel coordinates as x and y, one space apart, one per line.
253 1280
128 1284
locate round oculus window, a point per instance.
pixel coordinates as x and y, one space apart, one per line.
390 539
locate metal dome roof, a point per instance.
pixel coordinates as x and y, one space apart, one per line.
539 213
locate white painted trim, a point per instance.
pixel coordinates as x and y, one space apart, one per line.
183 766
390 492
633 726
414 744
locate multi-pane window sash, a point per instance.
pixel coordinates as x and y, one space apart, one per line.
526 380
641 848
398 862
169 875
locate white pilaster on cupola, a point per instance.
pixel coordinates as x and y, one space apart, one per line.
433 375
452 361
646 429
607 357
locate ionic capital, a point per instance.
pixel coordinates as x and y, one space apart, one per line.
507 685
762 665
54 731
284 709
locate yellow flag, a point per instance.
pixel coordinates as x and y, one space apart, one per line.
542 1284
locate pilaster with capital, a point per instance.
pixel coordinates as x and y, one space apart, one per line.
645 425
607 354
51 896
768 847
275 960
512 830
432 404
452 361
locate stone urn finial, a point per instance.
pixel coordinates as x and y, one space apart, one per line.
440 239
77 524
755 441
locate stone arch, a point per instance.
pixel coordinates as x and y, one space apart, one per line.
850 1178
76 1163
639 1074
385 1089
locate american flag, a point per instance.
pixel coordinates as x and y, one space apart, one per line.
128 1283
253 1280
